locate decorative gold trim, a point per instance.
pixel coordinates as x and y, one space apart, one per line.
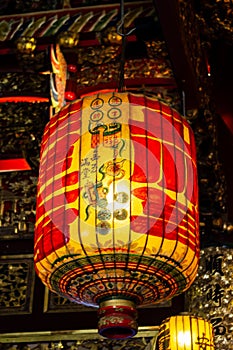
117 302
16 256
31 337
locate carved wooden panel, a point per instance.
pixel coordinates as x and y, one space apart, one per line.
22 126
16 284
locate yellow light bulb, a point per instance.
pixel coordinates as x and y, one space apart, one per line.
184 338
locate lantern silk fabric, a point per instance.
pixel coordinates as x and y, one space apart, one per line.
184 332
117 202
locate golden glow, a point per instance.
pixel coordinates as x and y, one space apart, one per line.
68 39
186 332
26 45
111 36
184 338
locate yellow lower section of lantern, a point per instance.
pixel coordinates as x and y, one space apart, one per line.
148 278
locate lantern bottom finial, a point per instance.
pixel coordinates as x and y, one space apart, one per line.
117 319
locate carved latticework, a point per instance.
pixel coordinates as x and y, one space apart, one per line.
140 343
101 65
16 285
21 84
212 182
22 126
216 19
9 7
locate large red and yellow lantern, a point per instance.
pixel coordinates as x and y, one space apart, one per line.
117 206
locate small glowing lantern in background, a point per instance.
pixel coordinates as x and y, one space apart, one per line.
26 45
110 36
68 39
70 93
117 206
185 332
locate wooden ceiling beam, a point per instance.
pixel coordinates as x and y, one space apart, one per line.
173 31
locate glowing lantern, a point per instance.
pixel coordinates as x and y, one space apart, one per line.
26 45
70 93
185 332
117 211
68 39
